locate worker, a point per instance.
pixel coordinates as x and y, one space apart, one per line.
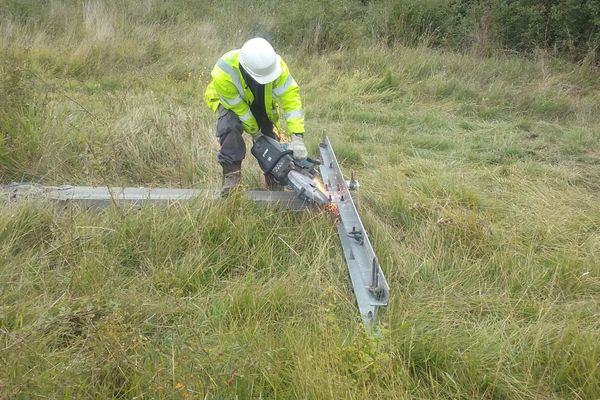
247 86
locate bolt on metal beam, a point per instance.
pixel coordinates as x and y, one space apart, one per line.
368 281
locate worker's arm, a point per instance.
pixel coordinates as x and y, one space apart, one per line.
231 99
287 94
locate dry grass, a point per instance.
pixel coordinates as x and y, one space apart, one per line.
479 183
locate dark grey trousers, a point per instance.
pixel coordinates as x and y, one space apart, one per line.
229 134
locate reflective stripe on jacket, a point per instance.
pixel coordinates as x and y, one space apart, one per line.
229 89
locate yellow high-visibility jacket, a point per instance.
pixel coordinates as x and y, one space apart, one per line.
229 90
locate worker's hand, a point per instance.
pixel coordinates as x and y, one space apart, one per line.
298 147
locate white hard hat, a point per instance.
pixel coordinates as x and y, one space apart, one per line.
260 60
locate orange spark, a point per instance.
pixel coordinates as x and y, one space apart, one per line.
319 184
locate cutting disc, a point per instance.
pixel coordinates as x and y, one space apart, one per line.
305 186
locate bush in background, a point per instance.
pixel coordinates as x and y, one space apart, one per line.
569 27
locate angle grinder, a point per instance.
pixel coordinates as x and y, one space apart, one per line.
299 175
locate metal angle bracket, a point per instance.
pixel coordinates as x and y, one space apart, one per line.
370 286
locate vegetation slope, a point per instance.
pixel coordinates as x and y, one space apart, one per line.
479 185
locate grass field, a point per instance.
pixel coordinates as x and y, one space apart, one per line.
480 180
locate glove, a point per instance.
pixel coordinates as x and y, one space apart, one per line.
298 147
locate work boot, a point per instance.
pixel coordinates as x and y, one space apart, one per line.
232 174
272 184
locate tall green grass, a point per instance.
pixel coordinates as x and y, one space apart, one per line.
479 186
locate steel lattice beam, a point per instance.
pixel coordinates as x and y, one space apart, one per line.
369 283
99 197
